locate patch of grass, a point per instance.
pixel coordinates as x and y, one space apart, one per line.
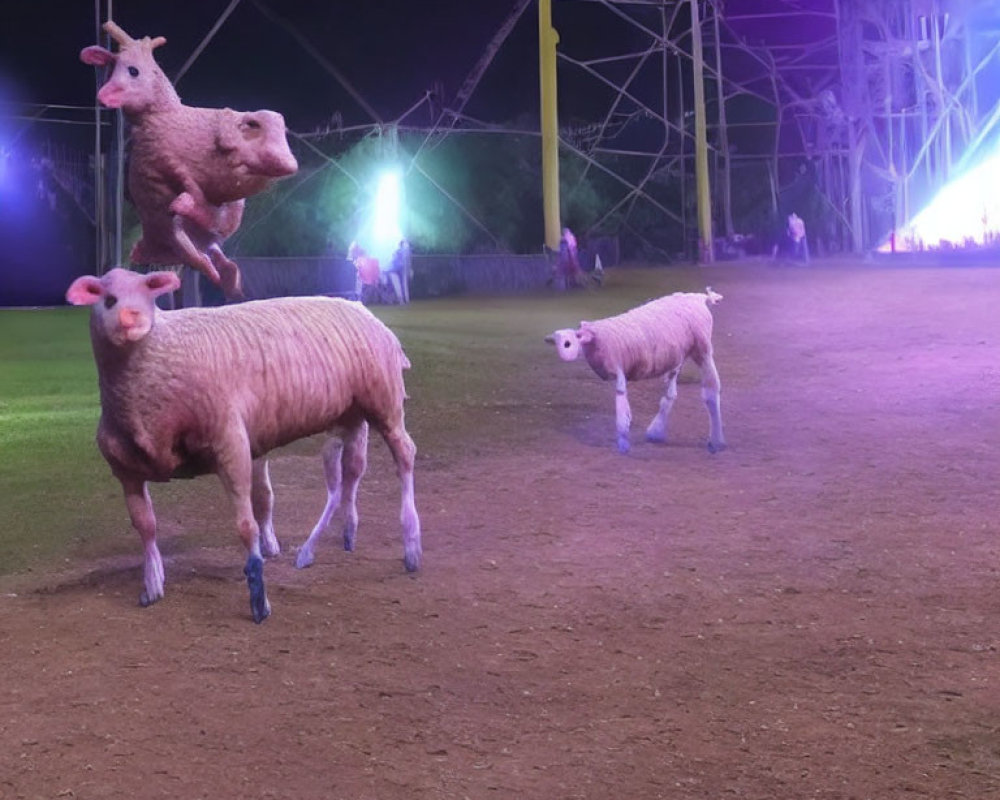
48 415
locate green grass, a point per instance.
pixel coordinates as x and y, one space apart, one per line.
482 378
48 415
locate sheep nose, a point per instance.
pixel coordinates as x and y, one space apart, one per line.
128 317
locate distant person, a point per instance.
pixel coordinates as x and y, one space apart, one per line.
567 268
367 280
797 237
399 271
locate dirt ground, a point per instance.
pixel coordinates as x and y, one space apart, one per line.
812 613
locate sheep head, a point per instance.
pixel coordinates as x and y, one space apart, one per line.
137 84
255 143
569 342
124 302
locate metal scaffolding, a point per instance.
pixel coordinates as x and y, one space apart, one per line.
866 106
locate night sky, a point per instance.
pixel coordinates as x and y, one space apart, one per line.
390 52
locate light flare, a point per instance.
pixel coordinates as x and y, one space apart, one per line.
964 214
386 228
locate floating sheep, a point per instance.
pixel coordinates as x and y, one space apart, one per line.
191 169
650 341
204 390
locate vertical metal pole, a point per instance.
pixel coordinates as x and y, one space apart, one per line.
547 41
705 246
851 68
724 176
98 164
682 127
119 185
945 139
119 171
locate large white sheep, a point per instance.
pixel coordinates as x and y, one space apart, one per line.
652 340
203 390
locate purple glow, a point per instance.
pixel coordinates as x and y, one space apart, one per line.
965 213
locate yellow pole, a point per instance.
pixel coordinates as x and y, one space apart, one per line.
547 41
706 251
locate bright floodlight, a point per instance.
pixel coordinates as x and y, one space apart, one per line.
965 211
386 229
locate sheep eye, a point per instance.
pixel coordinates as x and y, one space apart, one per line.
133 71
566 344
252 123
110 300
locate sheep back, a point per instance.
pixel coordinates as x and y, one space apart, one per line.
651 339
271 370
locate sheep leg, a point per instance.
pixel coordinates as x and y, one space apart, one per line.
711 388
216 223
140 511
657 430
262 498
404 453
195 209
344 464
332 452
235 472
331 470
354 462
623 412
191 255
230 278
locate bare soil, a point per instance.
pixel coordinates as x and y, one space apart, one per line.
812 613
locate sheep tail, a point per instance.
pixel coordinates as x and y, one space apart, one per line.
711 297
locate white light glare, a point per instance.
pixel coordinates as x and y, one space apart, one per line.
386 229
966 211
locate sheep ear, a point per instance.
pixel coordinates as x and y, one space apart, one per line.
551 338
97 56
159 282
84 291
585 334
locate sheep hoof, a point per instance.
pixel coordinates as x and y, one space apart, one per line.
145 600
716 447
269 545
623 445
658 438
350 534
259 607
411 561
305 559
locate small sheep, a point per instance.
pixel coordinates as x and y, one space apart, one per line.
191 169
646 342
203 390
